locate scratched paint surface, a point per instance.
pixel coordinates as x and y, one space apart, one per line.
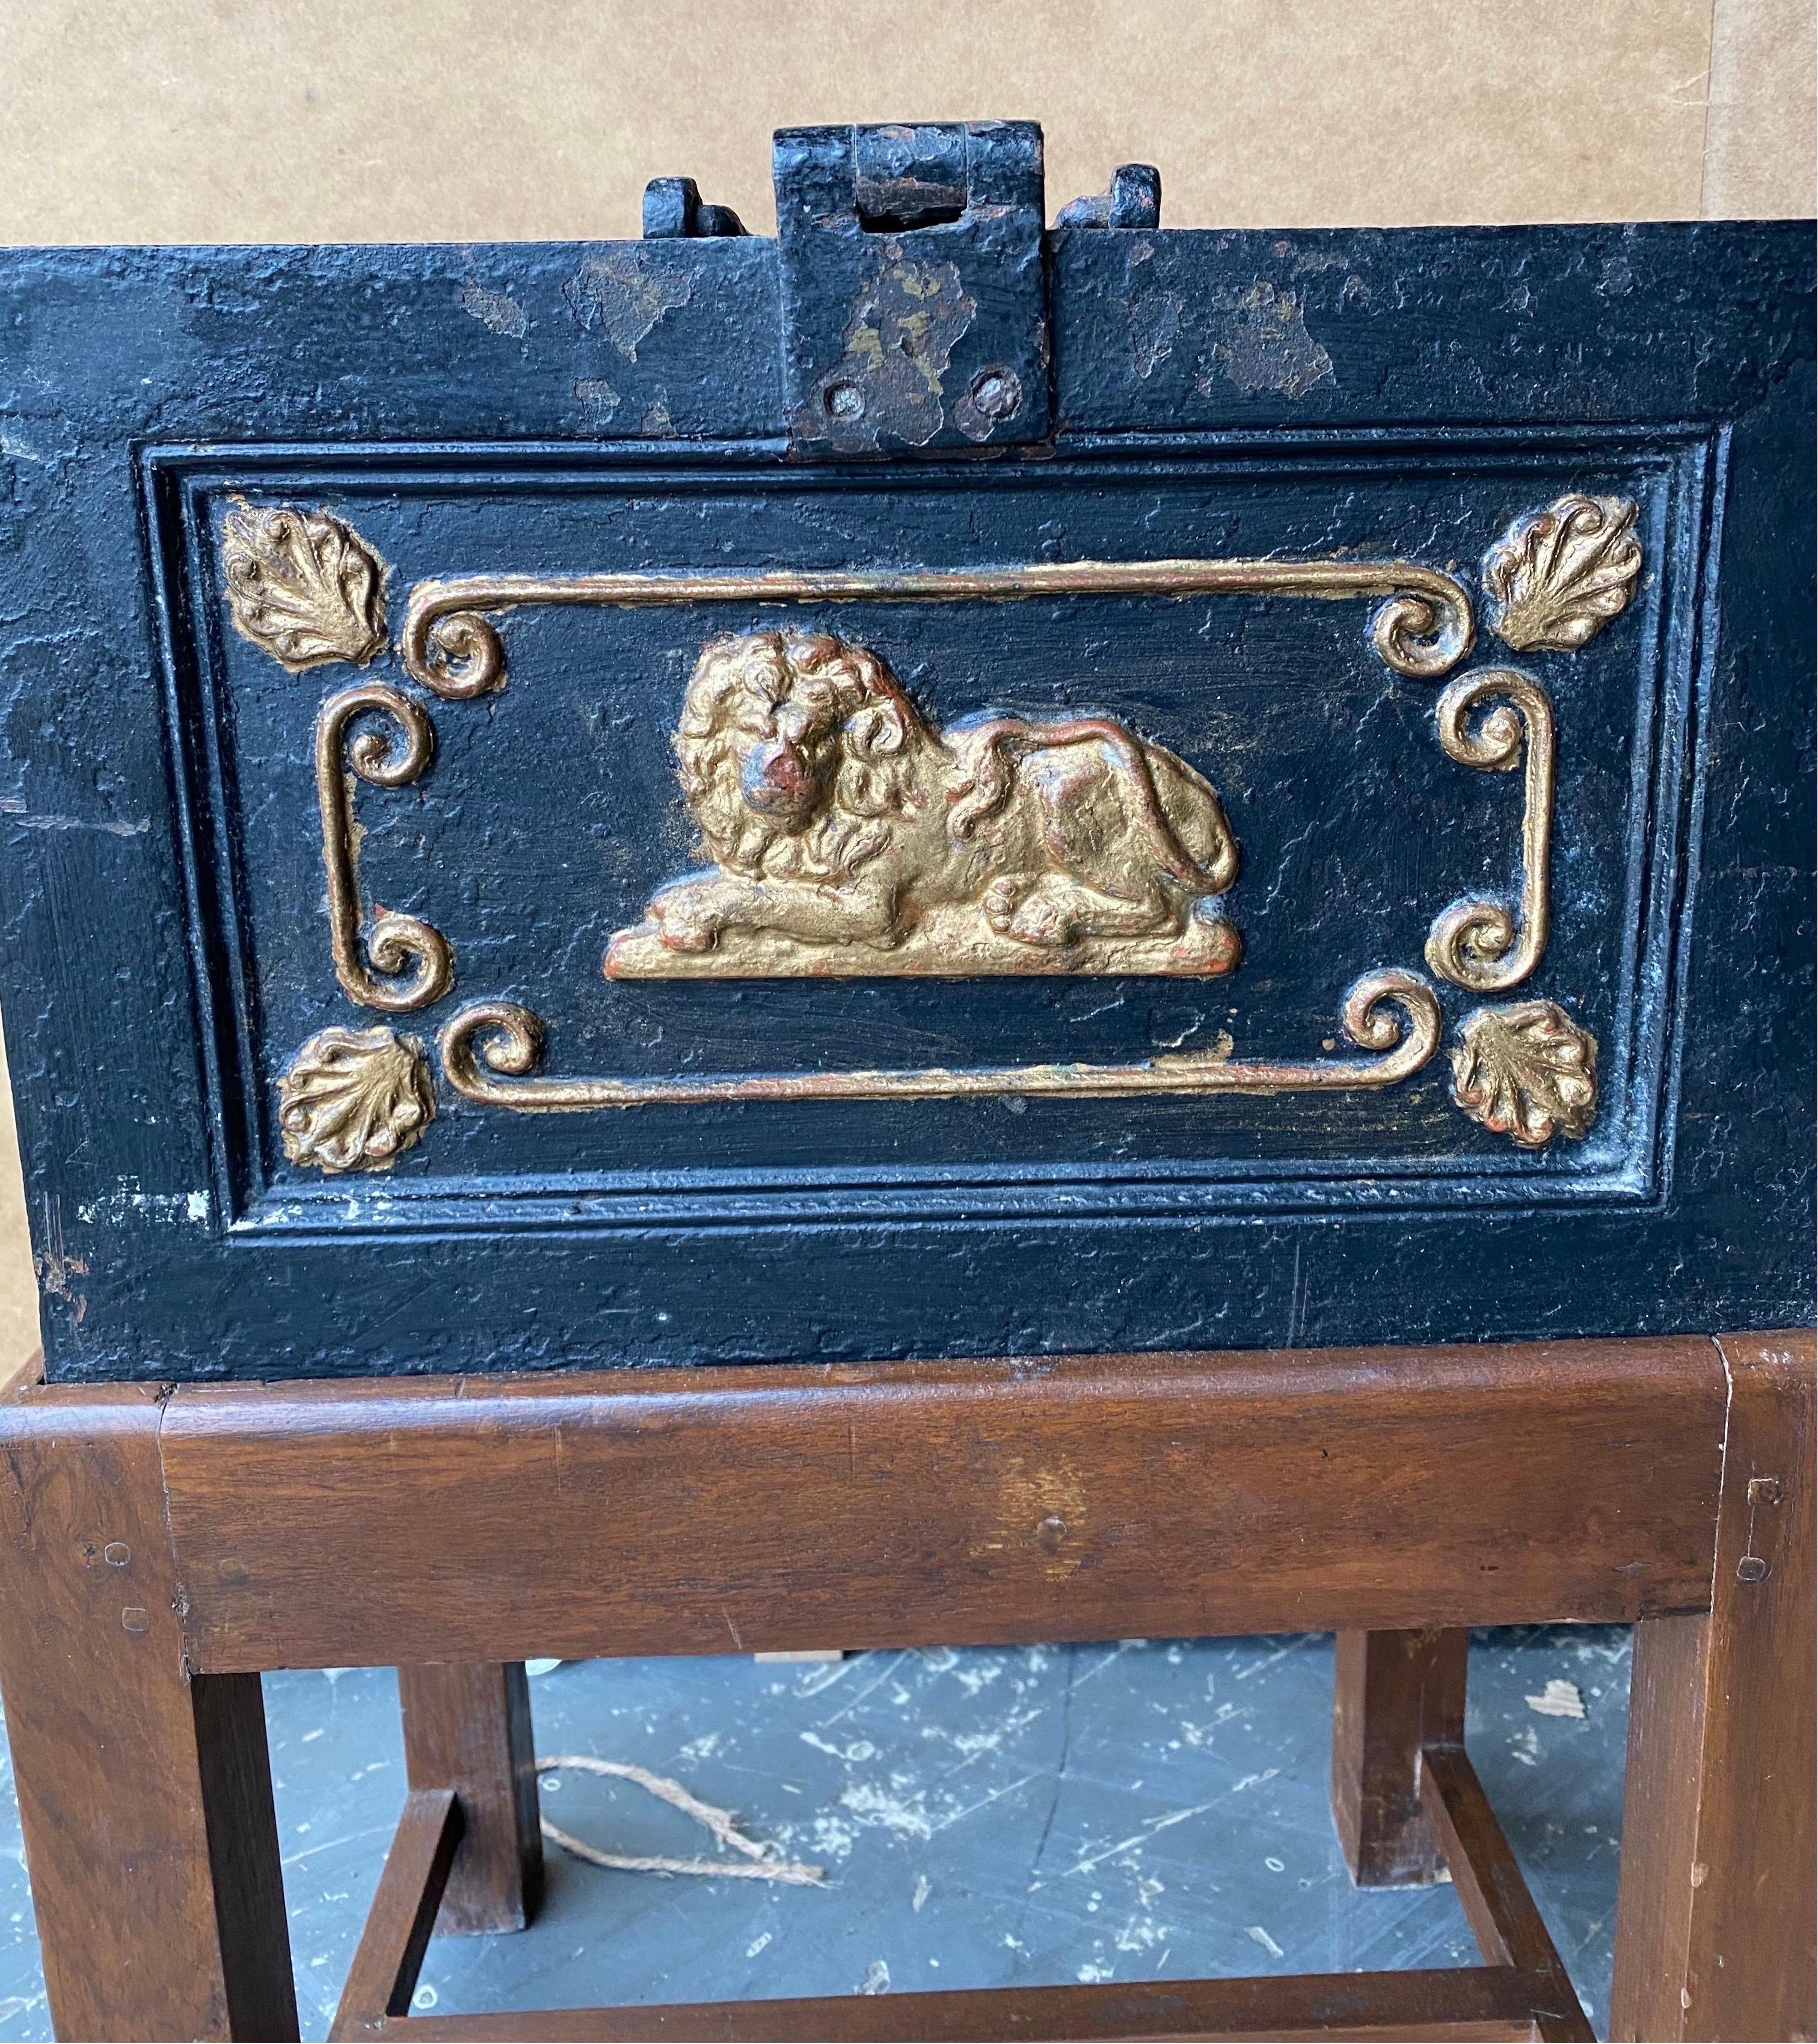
1142 1811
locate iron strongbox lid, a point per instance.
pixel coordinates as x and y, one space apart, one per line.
933 785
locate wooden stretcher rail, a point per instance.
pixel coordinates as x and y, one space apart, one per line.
402 1919
1073 1498
1498 1906
1466 2002
1522 1991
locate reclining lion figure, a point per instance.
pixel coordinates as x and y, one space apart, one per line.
852 836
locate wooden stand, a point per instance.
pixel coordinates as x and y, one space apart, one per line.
166 1547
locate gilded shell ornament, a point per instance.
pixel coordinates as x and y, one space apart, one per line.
1528 1072
355 1100
303 585
1558 576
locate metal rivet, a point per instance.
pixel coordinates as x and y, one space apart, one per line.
1750 1569
116 1553
134 1620
1764 1490
845 401
995 392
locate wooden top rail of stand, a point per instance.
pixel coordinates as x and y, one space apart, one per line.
485 1519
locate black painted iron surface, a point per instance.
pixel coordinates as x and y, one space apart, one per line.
568 410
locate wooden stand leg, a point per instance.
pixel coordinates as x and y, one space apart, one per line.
144 1792
1394 1693
1715 1915
466 1727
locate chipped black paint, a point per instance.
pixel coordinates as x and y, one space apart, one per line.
555 409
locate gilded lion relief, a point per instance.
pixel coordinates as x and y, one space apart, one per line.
851 836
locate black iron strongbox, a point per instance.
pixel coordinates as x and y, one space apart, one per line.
931 785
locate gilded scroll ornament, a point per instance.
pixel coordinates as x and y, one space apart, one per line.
1558 576
452 646
302 586
395 945
851 837
355 1100
1528 1072
490 1052
1480 944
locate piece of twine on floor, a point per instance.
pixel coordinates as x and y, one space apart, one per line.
759 1862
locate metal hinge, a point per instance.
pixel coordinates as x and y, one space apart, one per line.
915 311
914 284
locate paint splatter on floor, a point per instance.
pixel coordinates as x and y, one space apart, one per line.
1559 1700
1137 1810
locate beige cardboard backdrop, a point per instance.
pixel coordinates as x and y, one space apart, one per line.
470 119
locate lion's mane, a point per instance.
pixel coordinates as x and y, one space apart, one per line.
875 728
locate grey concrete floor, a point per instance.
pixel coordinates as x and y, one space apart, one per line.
1141 1810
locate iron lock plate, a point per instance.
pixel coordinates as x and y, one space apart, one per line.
915 311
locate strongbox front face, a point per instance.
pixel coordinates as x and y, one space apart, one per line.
538 836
